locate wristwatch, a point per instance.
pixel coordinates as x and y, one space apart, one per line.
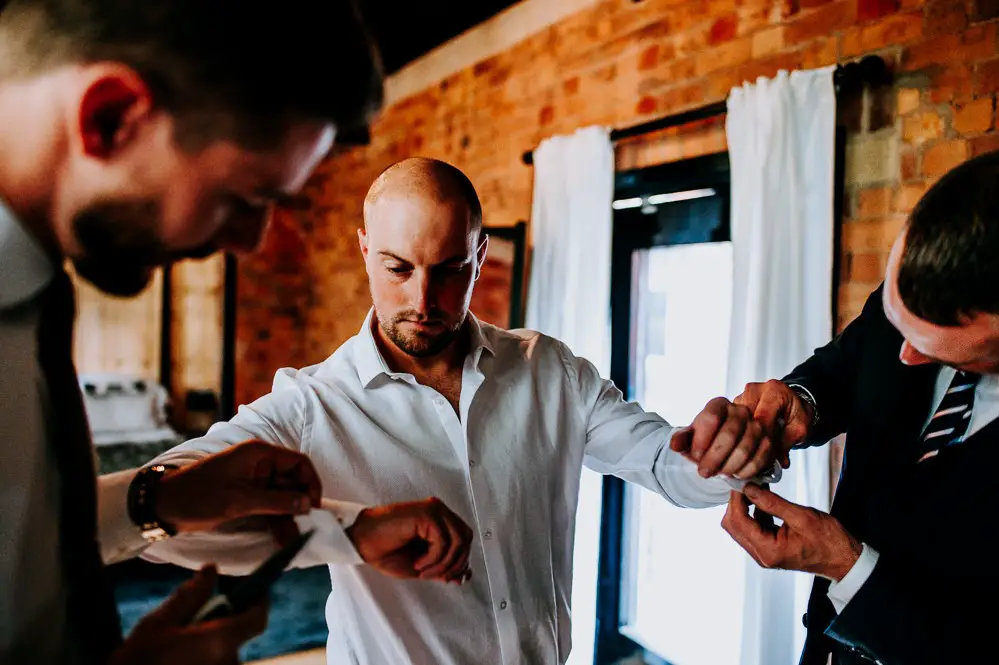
142 503
806 396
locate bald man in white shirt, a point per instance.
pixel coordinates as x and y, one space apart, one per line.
426 399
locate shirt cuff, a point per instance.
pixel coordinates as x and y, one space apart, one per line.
842 592
120 538
330 543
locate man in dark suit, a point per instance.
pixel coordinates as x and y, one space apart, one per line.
905 563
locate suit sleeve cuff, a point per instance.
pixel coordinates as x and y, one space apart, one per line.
842 592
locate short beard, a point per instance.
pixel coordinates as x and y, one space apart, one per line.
415 344
121 246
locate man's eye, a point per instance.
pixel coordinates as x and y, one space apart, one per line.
398 270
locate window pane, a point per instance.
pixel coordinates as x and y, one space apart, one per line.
684 575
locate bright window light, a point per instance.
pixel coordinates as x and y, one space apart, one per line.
622 204
673 197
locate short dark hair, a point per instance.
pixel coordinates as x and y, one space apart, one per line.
223 68
950 267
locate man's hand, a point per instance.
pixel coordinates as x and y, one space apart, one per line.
725 439
252 478
786 418
165 638
809 540
421 539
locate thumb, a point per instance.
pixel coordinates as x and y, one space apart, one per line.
772 503
180 608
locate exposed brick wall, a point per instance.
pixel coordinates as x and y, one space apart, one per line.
616 64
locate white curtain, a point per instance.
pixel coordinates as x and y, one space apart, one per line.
569 299
781 137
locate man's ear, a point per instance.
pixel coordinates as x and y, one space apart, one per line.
111 110
480 255
362 241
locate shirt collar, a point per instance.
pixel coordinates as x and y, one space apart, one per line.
371 363
25 269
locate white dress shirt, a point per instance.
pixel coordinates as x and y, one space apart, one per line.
985 409
531 415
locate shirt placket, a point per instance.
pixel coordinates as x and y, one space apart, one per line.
499 587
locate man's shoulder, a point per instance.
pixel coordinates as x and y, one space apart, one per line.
336 371
520 342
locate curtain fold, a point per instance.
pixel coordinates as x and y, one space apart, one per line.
569 299
781 137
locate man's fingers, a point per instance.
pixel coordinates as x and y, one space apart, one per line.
774 504
762 459
706 425
280 468
745 531
455 545
726 440
740 460
180 608
438 542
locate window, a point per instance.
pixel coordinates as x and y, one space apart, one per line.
671 581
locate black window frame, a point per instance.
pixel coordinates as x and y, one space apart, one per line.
633 230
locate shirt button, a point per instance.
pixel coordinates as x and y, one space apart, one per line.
489 533
502 604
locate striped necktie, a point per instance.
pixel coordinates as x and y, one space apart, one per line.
950 421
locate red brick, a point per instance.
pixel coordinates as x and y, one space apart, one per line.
725 56
646 106
908 165
920 127
546 115
811 4
943 156
983 144
973 44
683 96
875 235
820 53
952 82
723 29
849 43
649 58
946 17
896 30
867 266
987 78
768 41
868 10
873 202
571 86
821 22
974 117
907 196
